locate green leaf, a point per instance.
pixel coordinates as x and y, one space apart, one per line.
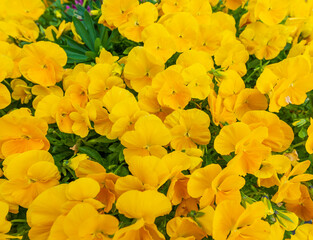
279 213
300 122
89 24
104 34
102 139
303 133
127 50
253 64
74 50
91 153
74 45
200 214
116 147
83 33
91 54
113 38
121 171
227 158
121 156
63 155
77 57
97 45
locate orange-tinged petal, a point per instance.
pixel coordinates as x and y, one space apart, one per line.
21 145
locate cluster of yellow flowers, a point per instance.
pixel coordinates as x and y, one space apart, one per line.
160 113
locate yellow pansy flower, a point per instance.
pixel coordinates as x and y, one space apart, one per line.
242 223
28 174
21 132
141 67
148 137
43 63
189 128
139 17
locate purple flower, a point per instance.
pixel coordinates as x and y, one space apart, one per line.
80 2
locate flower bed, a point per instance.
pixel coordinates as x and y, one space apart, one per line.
172 119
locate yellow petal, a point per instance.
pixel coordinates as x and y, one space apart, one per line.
5 96
128 183
18 165
43 172
184 227
76 217
206 221
44 210
201 179
147 205
300 168
223 222
4 224
229 136
82 188
286 224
